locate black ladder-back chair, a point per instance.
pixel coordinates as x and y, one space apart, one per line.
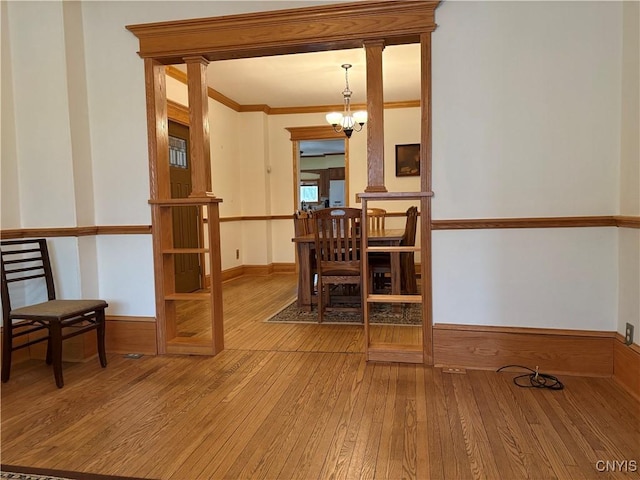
28 261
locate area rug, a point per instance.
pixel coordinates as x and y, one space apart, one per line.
14 472
379 313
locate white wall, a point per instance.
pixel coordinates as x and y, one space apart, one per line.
629 240
9 184
526 122
547 278
41 115
526 109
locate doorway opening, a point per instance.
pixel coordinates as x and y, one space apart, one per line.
321 174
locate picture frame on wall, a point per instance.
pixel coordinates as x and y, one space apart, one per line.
408 160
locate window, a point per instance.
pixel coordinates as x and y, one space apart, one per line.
309 193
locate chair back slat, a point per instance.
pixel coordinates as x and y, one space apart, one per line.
26 277
409 236
18 262
375 218
338 238
303 223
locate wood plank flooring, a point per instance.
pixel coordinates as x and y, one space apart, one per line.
297 401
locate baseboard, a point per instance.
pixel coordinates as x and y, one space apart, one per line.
131 335
626 365
255 270
229 274
574 352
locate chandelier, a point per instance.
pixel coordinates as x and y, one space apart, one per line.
347 121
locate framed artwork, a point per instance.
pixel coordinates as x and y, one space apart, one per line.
408 160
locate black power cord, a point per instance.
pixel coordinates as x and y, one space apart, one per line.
536 379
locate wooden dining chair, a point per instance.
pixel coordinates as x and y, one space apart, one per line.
380 263
337 241
25 267
375 218
303 224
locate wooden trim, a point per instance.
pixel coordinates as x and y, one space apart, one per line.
177 112
375 122
181 112
542 222
199 136
224 100
319 132
123 229
256 217
231 273
131 335
181 76
525 330
626 365
47 232
458 224
334 27
16 233
627 221
332 108
176 74
574 352
283 267
258 270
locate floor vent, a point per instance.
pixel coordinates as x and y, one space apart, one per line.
454 370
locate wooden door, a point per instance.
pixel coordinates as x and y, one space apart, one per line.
185 219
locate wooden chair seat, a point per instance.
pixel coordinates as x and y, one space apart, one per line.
58 309
28 261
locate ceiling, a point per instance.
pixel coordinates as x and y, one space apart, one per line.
314 79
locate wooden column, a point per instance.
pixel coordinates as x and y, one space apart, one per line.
375 121
425 202
160 188
200 151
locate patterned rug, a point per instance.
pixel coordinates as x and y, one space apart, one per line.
380 313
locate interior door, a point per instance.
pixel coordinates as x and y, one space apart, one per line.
185 219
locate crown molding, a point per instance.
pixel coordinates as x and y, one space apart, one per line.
279 32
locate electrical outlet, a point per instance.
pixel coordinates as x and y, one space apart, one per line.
237 254
628 334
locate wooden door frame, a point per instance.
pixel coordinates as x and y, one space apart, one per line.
372 24
322 132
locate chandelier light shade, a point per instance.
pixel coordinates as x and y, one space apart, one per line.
347 121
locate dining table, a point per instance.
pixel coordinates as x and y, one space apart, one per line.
305 247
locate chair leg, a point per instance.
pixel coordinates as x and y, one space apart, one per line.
7 343
55 331
408 267
320 300
102 353
48 358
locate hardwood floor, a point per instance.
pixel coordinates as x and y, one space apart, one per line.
299 402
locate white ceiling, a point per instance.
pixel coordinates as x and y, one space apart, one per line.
312 79
315 79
